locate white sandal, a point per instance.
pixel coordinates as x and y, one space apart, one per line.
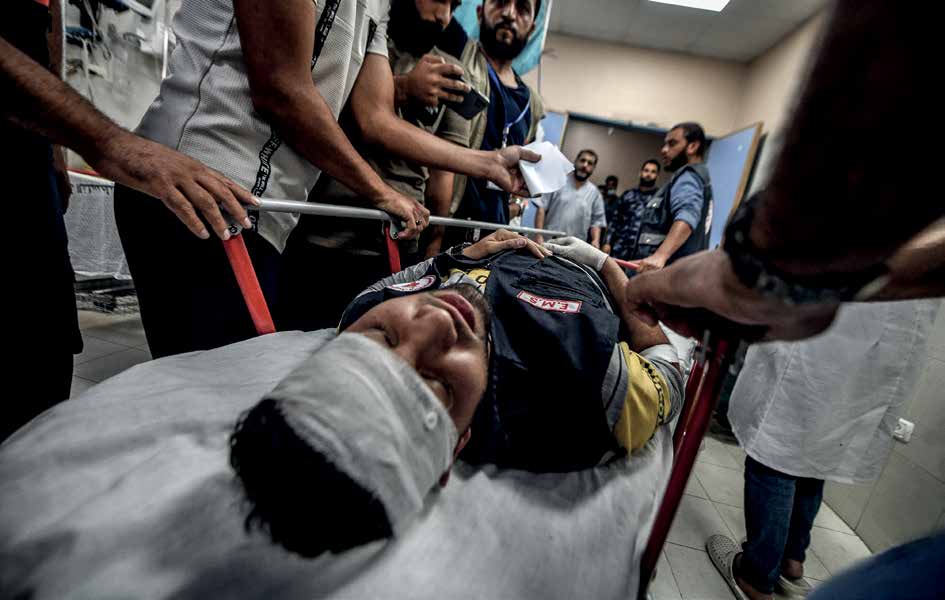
795 588
722 550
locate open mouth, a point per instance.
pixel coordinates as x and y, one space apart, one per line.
465 309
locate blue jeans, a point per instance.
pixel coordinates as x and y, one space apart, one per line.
909 572
779 514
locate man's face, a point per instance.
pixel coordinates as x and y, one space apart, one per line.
435 11
442 335
674 150
415 25
505 26
584 166
611 186
648 175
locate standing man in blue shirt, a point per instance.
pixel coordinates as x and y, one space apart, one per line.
677 221
514 108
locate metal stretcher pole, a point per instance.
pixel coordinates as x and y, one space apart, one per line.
249 285
703 397
333 210
692 387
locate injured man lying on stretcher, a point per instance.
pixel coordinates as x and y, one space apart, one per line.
129 489
523 351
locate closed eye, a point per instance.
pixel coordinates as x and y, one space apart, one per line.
441 389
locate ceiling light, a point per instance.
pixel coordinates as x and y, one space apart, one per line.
713 5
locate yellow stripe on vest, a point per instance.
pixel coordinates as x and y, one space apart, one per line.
647 402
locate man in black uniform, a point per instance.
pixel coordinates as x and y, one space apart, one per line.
624 222
572 381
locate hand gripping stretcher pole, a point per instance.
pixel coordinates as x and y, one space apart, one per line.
712 359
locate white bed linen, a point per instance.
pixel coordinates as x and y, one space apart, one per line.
125 492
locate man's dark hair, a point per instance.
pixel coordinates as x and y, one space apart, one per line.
587 151
693 132
612 178
651 161
295 494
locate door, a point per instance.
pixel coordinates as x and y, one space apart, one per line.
730 158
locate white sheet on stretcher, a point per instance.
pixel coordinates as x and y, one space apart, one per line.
126 492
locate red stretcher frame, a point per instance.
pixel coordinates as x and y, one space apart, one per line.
712 359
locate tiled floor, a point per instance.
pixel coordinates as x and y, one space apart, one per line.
712 504
113 343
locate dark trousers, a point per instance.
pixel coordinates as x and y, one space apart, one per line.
186 289
316 283
38 278
37 370
779 515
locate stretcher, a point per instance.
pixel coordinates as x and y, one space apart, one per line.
712 359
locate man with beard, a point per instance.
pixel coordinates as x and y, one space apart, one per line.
514 108
676 222
623 223
256 94
351 251
577 208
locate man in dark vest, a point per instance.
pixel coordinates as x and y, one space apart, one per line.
571 382
677 220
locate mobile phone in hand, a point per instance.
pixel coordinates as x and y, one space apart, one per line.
473 103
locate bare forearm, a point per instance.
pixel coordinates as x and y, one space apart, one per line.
796 227
37 100
679 232
440 192
540 218
642 336
54 38
401 138
400 90
439 195
595 237
305 121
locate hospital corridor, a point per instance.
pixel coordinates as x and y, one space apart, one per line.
472 300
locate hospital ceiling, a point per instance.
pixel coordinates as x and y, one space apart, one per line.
744 29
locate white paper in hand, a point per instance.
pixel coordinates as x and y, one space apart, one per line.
550 173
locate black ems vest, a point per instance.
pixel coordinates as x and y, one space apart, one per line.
552 339
658 218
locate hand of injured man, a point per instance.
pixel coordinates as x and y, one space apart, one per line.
578 251
501 240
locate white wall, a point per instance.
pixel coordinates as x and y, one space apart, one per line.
654 87
634 84
772 79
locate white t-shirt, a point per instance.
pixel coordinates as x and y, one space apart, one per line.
573 209
205 110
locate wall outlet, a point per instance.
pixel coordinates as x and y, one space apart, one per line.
904 430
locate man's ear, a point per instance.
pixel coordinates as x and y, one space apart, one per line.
692 148
479 12
463 440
